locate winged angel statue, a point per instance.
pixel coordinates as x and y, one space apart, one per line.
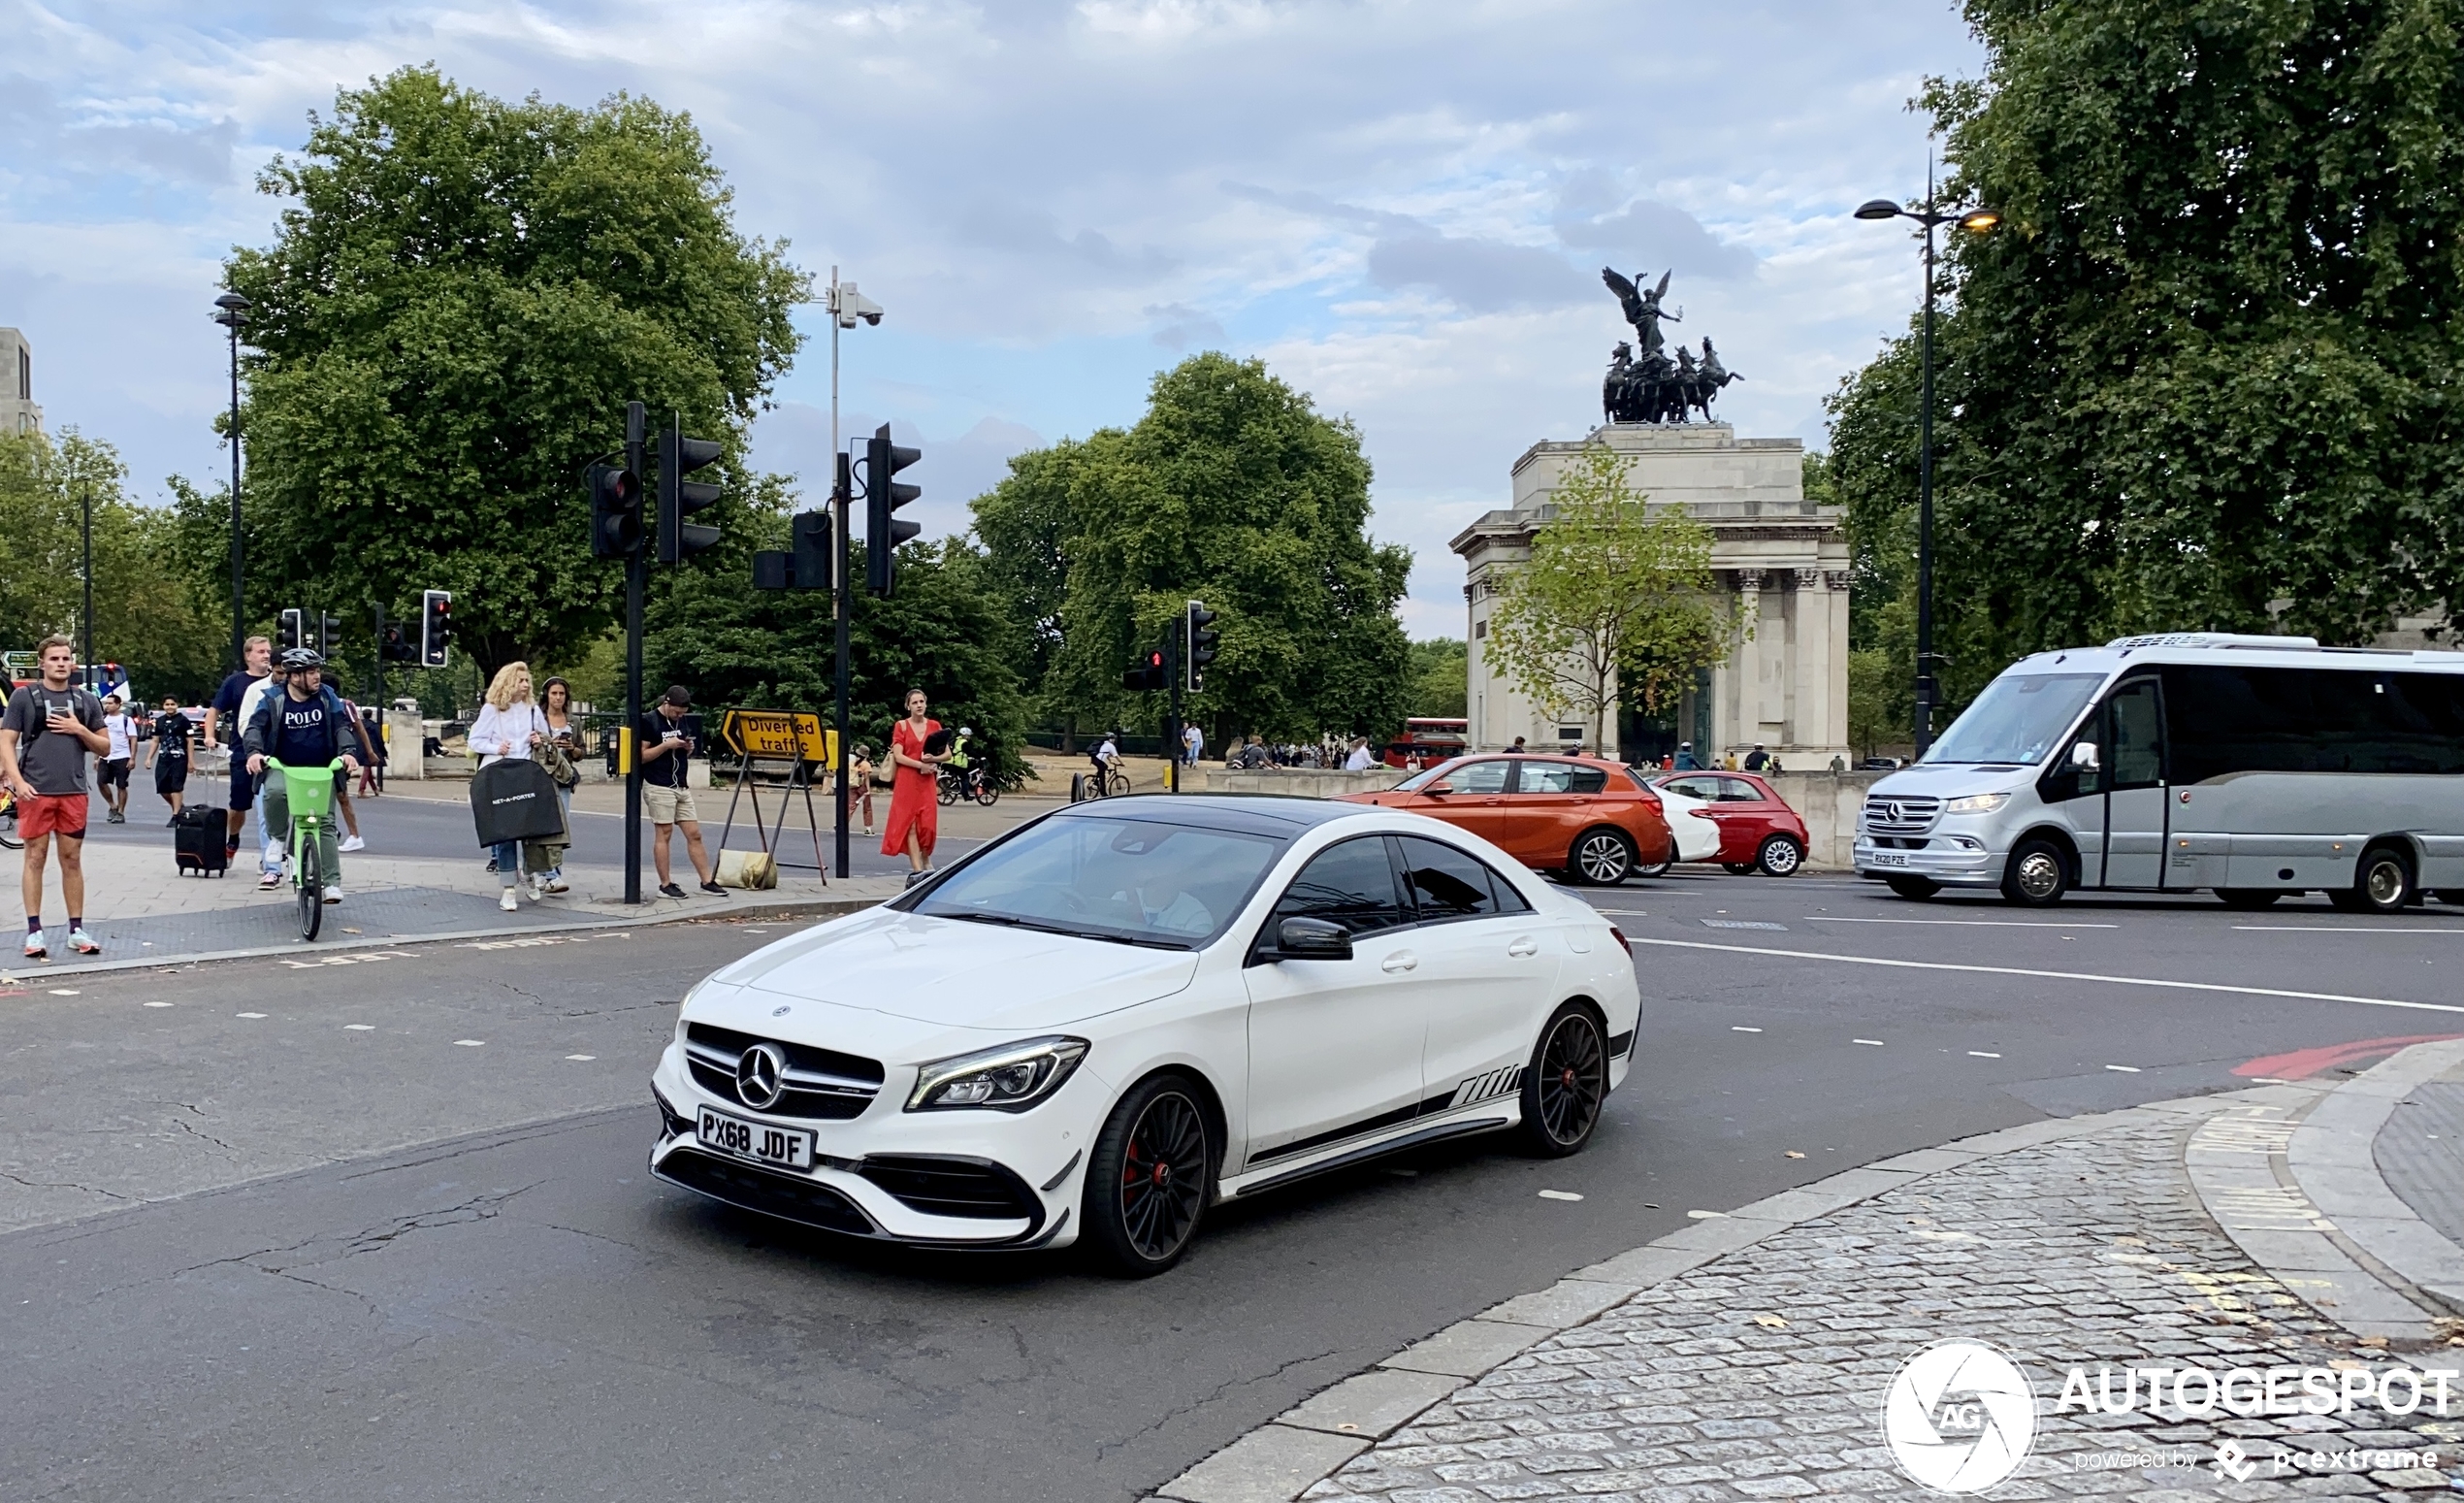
1651 388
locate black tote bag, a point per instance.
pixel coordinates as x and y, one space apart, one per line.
514 798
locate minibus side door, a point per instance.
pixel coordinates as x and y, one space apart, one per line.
2135 804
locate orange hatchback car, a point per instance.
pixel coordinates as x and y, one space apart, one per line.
1591 820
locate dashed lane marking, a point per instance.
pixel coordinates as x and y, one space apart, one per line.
1558 1195
584 1058
470 1043
2057 976
2127 1069
2344 928
1826 918
247 1015
1739 1028
1877 1043
161 1005
64 991
360 1028
1981 1054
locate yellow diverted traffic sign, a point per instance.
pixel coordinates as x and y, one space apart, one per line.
779 735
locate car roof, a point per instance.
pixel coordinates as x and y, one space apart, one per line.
1264 815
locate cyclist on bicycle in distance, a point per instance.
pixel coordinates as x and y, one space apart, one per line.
303 726
1105 756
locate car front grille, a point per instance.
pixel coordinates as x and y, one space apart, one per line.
820 1083
758 1190
1902 814
951 1186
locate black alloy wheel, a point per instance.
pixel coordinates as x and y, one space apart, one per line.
1150 1178
1602 857
1913 886
2246 900
311 874
1780 855
1566 1085
2381 883
2038 876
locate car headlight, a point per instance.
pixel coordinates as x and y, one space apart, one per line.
1976 804
1009 1079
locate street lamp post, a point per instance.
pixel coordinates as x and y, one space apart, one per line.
847 307
85 490
1931 217
234 312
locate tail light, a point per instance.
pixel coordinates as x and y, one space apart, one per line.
1619 935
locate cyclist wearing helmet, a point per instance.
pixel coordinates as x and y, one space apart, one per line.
301 725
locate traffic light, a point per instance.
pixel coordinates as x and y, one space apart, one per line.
436 627
680 497
883 496
615 510
329 636
1198 644
805 563
288 629
1152 672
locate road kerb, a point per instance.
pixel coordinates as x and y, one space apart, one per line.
1276 1455
2330 1160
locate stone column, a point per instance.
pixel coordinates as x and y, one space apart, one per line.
1835 668
1809 662
1744 714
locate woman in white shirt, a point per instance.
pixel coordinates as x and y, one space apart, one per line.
509 724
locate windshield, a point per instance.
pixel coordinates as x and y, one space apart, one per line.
2016 719
1131 881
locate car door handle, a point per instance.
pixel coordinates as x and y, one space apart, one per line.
1401 959
1523 944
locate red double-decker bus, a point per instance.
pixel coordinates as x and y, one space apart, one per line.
1432 739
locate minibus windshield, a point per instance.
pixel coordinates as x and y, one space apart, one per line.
2016 719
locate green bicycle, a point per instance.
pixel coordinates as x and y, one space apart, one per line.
310 794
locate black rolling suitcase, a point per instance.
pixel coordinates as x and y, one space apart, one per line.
197 841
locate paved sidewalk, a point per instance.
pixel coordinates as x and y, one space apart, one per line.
147 914
1748 1354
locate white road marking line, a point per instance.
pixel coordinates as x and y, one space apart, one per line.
2127 1069
470 1043
1877 1043
1558 1195
1708 1216
584 1058
1825 918
64 991
2057 975
2342 929
360 1028
1981 1053
1739 1028
162 1004
247 1015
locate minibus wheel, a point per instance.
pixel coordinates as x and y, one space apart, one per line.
2381 883
1913 886
2038 874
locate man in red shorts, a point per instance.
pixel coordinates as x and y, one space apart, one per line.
49 728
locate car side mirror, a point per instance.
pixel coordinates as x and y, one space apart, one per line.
1438 789
1312 940
2082 756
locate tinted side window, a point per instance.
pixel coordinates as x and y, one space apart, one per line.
1546 777
1445 883
1737 790
2232 719
1706 789
1351 884
1479 777
1590 780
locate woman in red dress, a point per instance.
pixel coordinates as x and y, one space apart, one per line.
914 797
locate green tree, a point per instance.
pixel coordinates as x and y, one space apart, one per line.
1232 489
1441 678
1615 598
147 617
2207 373
462 296
734 646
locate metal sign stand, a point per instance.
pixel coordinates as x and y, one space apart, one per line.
796 778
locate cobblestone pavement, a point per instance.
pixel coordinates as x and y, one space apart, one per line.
1761 1375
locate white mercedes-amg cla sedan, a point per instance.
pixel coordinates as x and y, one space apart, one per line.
1124 1011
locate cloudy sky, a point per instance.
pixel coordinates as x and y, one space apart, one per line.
1402 208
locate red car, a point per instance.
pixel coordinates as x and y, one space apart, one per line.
1758 830
1592 820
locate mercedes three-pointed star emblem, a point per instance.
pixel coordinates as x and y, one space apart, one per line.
760 1075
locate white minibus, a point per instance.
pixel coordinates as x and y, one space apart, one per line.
2250 765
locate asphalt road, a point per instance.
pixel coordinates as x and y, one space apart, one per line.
394 1238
